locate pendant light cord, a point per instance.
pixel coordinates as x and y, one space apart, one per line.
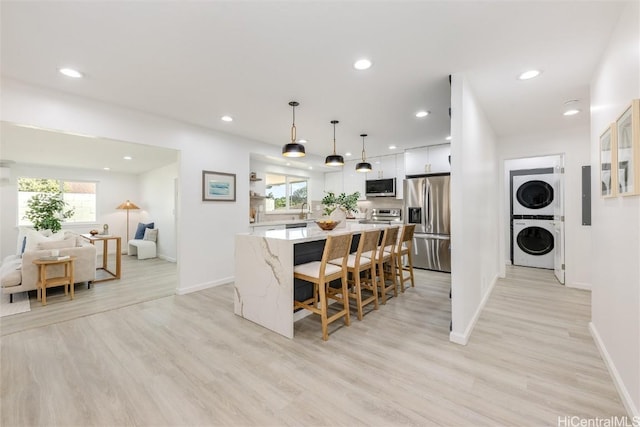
363 160
293 125
334 138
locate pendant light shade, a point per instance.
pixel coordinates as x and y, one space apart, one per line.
334 159
363 166
293 149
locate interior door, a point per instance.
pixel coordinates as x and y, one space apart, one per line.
558 219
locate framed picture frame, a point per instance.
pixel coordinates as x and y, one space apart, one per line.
627 129
218 186
608 180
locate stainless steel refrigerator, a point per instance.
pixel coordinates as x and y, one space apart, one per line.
426 204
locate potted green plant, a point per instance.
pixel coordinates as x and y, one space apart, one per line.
47 210
347 203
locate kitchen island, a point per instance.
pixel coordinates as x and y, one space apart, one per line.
264 261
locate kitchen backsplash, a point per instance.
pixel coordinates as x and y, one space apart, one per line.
364 209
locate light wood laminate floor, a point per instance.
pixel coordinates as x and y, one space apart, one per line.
188 360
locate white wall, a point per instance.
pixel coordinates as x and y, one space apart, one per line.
574 144
475 199
615 256
206 230
110 194
158 204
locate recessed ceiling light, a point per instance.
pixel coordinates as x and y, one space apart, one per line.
70 72
310 167
107 168
302 141
421 114
288 164
127 157
529 74
226 118
571 112
392 147
362 64
348 153
448 138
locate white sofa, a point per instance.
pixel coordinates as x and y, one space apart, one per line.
20 274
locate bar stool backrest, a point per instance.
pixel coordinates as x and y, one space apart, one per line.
336 247
368 243
389 239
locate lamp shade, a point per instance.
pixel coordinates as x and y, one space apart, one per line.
293 150
127 205
334 160
364 167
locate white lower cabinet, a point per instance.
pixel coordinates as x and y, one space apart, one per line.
265 227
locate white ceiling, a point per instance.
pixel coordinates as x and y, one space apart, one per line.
53 148
197 61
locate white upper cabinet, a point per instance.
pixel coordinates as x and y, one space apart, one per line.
354 181
383 167
431 159
439 158
333 182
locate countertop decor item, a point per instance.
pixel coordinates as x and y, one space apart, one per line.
93 232
348 203
128 205
327 224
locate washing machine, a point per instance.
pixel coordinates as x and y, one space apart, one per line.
533 242
533 194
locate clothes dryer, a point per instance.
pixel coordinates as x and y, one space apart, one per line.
533 243
533 194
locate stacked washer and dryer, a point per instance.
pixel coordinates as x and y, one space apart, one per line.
532 217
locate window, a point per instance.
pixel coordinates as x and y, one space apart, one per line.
79 196
285 192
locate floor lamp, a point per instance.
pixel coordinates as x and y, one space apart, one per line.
127 206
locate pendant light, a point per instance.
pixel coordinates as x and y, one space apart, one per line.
293 149
363 166
334 159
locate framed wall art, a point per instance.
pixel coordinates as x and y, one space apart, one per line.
627 129
218 187
608 181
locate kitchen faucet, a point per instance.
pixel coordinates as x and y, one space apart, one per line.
303 214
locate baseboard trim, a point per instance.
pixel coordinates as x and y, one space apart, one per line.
463 339
578 285
632 411
201 286
166 258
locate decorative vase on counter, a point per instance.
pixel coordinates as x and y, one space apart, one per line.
339 215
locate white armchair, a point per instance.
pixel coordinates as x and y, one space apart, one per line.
144 248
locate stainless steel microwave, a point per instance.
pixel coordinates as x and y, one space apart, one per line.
381 187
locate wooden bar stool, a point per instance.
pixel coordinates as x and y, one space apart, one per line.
404 247
358 263
321 273
386 260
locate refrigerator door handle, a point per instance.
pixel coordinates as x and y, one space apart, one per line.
427 197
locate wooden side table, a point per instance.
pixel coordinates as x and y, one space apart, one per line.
44 282
105 246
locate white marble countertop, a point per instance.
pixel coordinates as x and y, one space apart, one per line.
280 222
312 232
